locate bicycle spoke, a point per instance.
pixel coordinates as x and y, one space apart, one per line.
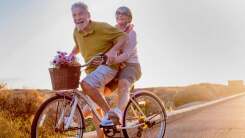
56 117
147 111
53 118
149 118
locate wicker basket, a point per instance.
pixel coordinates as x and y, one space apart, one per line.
65 78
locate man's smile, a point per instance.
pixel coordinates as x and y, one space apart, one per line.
79 22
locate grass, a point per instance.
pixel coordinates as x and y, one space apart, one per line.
17 110
17 107
174 97
203 92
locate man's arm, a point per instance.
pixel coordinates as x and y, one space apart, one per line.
120 43
74 51
112 53
114 35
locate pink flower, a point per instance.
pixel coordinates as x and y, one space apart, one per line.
62 59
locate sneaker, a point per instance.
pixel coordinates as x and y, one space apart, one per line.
111 118
105 121
119 114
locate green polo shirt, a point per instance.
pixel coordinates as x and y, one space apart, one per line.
99 38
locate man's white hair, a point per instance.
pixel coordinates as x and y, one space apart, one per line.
79 5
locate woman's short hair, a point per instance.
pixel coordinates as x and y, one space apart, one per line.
127 11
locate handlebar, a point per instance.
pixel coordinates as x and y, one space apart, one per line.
100 55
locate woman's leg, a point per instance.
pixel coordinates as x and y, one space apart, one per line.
127 76
123 93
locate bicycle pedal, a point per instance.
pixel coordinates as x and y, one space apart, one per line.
108 127
110 131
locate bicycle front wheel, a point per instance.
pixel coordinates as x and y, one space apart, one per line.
52 116
144 116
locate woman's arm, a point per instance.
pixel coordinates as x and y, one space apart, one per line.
121 58
111 54
128 48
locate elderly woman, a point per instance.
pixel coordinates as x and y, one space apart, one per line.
127 56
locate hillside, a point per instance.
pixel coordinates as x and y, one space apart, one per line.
18 106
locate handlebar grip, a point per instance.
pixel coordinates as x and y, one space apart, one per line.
105 58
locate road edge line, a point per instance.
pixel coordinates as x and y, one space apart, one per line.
175 115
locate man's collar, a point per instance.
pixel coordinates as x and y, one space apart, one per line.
90 29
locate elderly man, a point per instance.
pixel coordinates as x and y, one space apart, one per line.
90 39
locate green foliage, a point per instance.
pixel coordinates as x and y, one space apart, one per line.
89 125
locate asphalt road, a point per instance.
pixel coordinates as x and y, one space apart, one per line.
223 120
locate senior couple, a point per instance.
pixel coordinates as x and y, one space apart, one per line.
118 43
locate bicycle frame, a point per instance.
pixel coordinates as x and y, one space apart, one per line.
65 114
79 95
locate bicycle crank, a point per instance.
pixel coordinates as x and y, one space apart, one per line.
110 131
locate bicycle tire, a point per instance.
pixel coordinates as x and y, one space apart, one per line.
138 94
42 108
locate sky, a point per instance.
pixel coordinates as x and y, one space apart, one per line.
179 42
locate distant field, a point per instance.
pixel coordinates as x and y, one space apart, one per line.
19 106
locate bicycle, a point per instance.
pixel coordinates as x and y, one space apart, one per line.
61 115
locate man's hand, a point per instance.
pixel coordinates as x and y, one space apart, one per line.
71 56
97 61
74 51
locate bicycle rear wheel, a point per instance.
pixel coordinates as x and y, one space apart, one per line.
49 121
151 118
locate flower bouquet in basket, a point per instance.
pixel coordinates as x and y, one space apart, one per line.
65 72
63 60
